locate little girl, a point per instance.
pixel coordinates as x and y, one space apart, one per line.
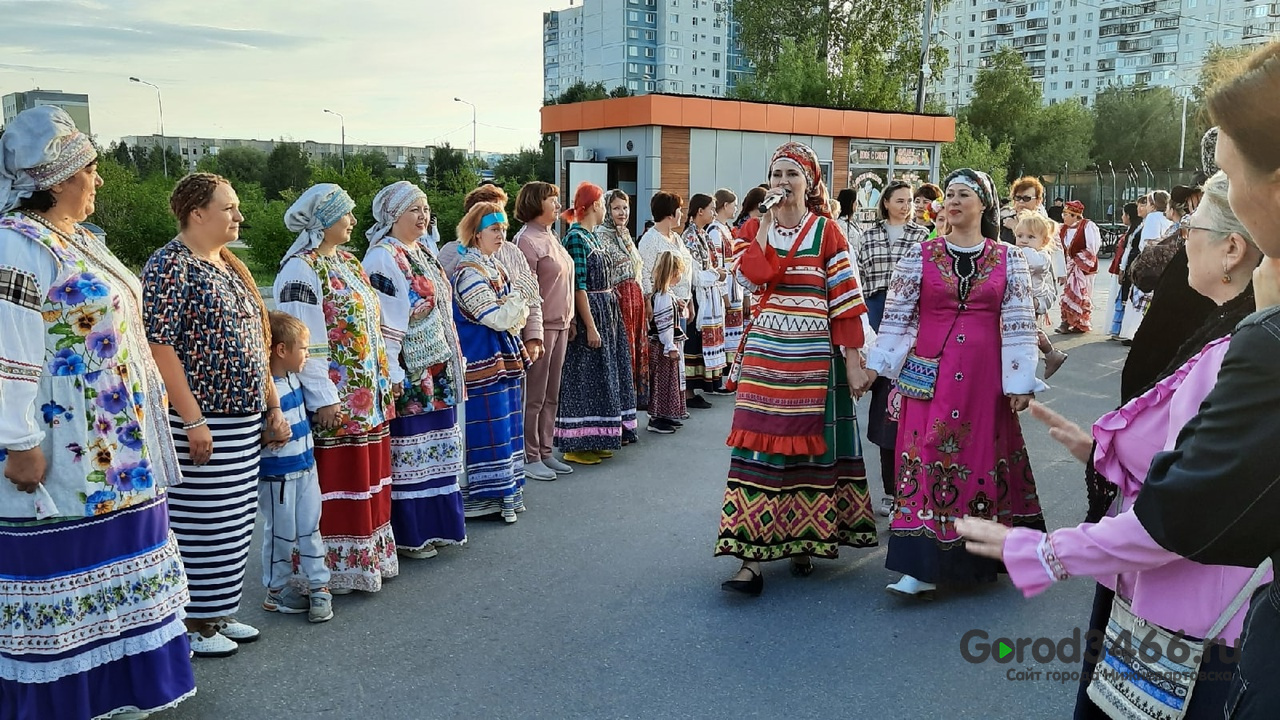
666 396
1034 236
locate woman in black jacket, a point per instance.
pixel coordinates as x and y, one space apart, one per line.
1215 497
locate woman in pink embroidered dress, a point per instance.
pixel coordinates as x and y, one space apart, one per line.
1163 588
964 300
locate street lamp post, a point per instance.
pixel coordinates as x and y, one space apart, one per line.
473 125
164 150
959 65
342 123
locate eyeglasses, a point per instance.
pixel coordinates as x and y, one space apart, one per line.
1026 198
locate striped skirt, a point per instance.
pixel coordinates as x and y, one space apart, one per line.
495 448
777 506
93 616
355 516
426 501
212 511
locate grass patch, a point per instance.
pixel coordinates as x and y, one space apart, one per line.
264 278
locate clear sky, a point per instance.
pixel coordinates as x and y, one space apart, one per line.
267 69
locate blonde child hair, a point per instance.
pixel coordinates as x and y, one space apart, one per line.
1038 225
666 271
286 329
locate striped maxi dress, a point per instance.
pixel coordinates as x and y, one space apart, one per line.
489 319
796 483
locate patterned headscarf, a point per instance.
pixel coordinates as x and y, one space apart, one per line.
803 157
1208 149
981 184
389 204
40 148
315 210
1075 206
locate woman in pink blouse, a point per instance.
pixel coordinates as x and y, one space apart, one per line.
1163 588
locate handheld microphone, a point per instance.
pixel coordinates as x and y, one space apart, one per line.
767 204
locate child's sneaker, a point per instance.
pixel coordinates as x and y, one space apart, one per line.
287 601
321 608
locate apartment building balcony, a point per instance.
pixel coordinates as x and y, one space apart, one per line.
1167 23
1128 46
988 46
1164 58
1038 24
1275 10
1004 29
1106 65
1257 31
1030 40
1037 73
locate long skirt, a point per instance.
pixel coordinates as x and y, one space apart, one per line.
426 458
597 395
704 352
959 454
667 400
733 320
1077 299
494 422
93 616
355 516
212 512
632 308
777 506
1134 310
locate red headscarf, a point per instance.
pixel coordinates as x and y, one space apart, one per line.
1077 244
804 156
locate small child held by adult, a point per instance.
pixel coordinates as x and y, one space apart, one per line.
1033 234
289 489
666 396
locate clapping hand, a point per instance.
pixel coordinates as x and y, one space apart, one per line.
983 537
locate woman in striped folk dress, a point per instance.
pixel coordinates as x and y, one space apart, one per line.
348 380
489 316
797 487
209 333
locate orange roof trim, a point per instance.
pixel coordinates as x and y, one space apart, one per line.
696 112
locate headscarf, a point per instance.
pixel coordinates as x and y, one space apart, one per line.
1075 206
803 157
312 213
40 148
980 183
389 204
1208 150
1078 241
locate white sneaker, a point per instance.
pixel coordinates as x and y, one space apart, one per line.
911 587
539 471
509 515
237 631
420 554
216 645
559 467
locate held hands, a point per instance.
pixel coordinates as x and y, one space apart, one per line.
1078 442
329 417
534 348
1018 403
277 431
983 537
26 468
859 379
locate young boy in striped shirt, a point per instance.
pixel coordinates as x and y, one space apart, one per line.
289 489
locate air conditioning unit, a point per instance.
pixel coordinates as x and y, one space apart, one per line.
577 154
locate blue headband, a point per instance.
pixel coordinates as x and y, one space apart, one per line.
492 219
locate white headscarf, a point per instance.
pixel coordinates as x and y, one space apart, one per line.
316 209
40 148
389 204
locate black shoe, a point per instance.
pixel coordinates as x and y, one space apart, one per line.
673 423
752 587
802 566
698 402
629 437
660 426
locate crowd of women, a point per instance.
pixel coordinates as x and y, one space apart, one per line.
134 412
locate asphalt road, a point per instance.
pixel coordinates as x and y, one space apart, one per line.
603 601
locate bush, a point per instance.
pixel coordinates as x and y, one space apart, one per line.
133 212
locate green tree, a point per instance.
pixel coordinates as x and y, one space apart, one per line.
971 149
581 91
869 52
1005 99
134 212
1137 123
620 92
240 164
120 151
449 171
518 169
1058 134
287 169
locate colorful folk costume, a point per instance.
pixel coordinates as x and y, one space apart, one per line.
723 241
796 483
489 317
597 394
624 269
347 366
422 345
1081 243
704 349
91 583
969 310
667 401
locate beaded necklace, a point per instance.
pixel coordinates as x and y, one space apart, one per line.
964 264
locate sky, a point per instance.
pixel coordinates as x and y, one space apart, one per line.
267 69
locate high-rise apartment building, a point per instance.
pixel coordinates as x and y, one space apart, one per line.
76 105
669 46
1077 47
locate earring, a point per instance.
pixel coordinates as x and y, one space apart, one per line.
1226 276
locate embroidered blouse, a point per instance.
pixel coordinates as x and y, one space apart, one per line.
476 278
208 316
76 376
653 244
624 261
347 360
